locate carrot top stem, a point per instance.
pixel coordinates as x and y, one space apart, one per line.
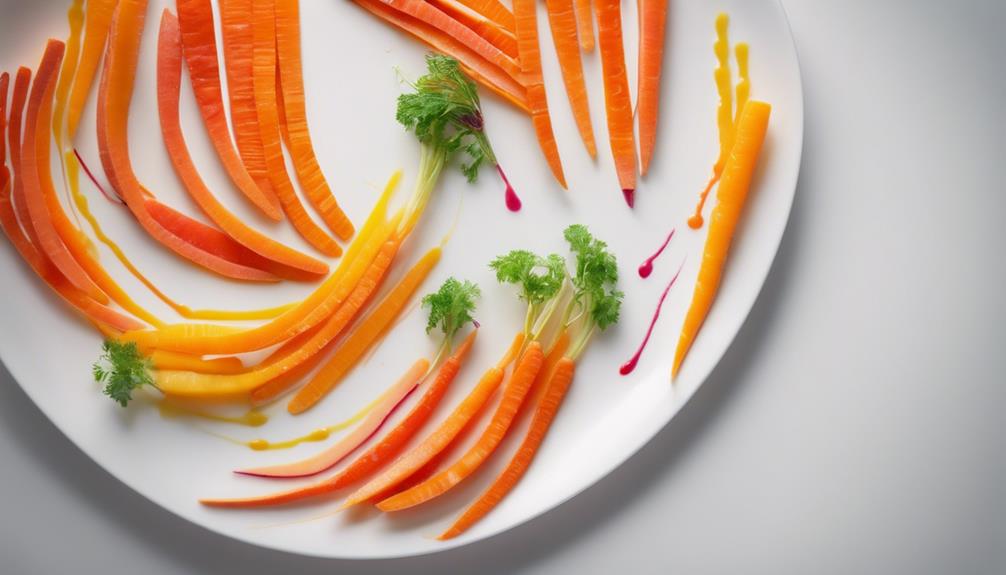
596 303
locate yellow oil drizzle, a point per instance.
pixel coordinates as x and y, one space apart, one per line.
320 434
75 18
726 117
251 418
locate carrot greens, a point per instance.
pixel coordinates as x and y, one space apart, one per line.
122 369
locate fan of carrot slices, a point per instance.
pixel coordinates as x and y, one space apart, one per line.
565 309
501 49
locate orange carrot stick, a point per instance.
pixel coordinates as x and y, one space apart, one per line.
114 96
480 69
379 453
169 73
368 333
298 138
195 20
236 20
75 17
528 47
181 383
562 21
424 12
544 413
97 20
730 197
172 360
4 86
652 34
616 95
264 80
434 443
494 10
492 32
37 173
585 25
513 396
337 452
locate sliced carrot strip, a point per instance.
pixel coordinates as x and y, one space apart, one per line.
494 10
264 78
530 64
337 452
415 459
513 396
75 17
4 87
491 31
236 19
298 138
114 96
98 18
22 82
195 19
169 73
652 36
616 95
480 69
171 360
325 300
562 22
36 171
544 413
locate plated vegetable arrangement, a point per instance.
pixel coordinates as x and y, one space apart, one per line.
313 344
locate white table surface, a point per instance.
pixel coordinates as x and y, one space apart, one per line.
855 426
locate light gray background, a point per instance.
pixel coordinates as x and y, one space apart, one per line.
855 426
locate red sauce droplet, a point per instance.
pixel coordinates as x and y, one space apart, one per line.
646 268
630 196
513 202
630 365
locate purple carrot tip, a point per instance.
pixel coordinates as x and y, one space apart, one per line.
630 196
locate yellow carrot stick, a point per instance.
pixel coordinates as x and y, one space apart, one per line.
730 197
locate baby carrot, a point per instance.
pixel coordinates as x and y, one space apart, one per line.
616 95
562 21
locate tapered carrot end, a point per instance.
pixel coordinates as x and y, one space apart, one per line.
449 534
630 196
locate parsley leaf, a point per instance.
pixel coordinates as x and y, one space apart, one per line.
539 278
122 369
451 306
595 277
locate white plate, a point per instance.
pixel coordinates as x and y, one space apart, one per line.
351 86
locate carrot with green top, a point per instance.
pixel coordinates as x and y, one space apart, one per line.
730 199
617 102
593 307
528 47
198 36
298 137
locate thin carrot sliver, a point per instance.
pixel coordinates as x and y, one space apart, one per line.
730 199
526 14
494 10
75 17
495 34
516 390
264 81
298 137
195 21
545 410
585 25
562 21
652 36
169 73
97 21
617 102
